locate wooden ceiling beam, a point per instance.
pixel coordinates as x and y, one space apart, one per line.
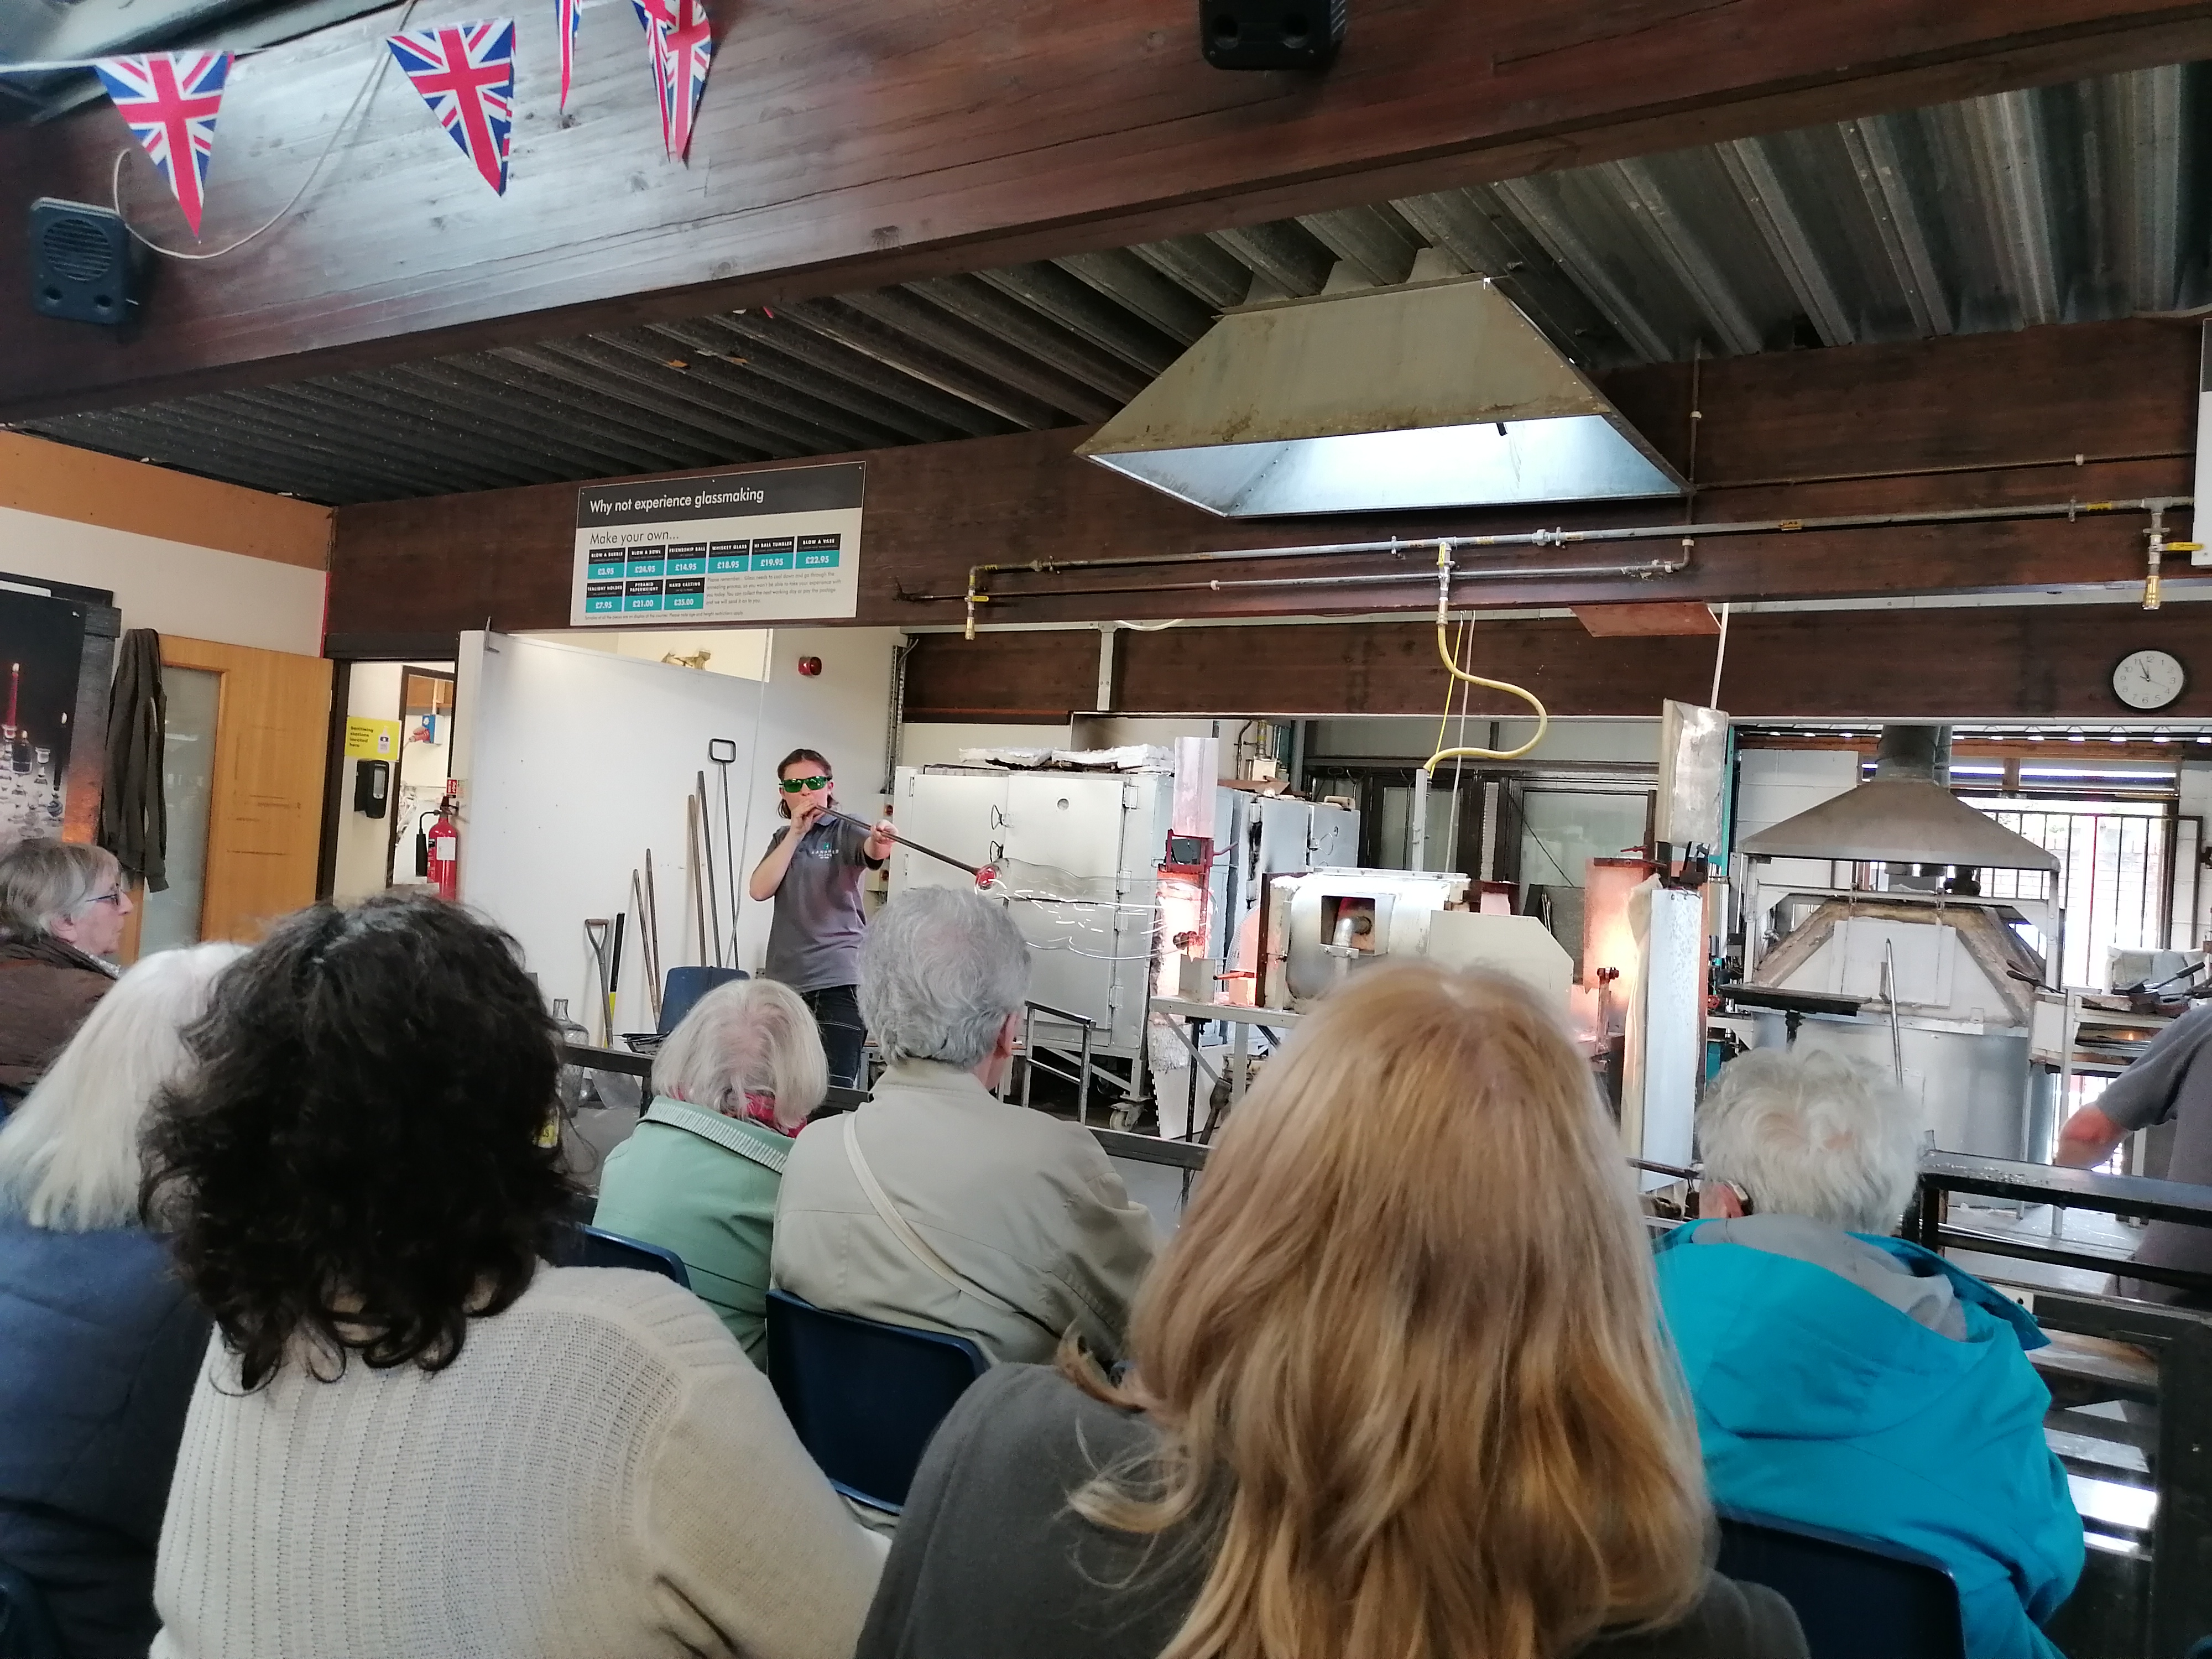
846 144
1970 421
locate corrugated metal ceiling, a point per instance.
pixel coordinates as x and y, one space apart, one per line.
2066 204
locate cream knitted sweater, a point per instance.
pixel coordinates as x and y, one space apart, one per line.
601 1474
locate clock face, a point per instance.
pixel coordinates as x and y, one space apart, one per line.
2149 679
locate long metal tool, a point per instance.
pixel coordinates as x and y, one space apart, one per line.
722 751
698 892
985 874
647 951
653 934
598 930
614 974
706 848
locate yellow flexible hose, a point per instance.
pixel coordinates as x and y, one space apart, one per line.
1459 675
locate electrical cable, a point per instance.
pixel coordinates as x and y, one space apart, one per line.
368 88
1461 675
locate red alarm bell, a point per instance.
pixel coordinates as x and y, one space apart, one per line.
810 666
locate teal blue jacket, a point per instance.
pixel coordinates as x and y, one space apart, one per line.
1818 1401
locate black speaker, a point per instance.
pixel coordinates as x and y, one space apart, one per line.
81 265
1271 34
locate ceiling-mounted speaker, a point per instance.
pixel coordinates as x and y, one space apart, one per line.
81 266
1271 34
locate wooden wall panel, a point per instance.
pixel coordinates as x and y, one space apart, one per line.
846 143
1859 429
2050 662
264 822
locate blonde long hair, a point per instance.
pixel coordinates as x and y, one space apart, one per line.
1405 1354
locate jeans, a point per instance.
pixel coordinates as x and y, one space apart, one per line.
837 1016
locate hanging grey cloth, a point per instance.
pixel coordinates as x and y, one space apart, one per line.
134 817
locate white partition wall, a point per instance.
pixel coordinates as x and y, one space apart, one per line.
573 761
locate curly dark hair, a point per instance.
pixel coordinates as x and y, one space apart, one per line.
356 1158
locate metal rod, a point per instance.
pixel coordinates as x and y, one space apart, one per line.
1396 547
698 890
1083 1089
706 848
1373 579
1889 991
982 873
1029 1051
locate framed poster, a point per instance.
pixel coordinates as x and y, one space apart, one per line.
738 548
42 640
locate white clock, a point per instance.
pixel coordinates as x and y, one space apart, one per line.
2149 679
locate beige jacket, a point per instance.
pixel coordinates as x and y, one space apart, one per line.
1021 1203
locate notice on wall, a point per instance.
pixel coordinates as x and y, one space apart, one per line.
371 739
738 548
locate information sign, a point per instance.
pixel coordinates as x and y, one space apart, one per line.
735 548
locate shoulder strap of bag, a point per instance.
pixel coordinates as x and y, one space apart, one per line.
902 1230
713 1127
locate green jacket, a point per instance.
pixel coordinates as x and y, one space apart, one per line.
703 1186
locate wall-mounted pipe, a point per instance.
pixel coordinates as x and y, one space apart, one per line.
978 594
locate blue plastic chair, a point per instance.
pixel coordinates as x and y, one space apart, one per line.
865 1397
1853 1596
594 1246
685 986
27 1629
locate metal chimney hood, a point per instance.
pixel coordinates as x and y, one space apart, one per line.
1423 395
1907 815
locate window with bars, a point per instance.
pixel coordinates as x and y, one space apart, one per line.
2116 878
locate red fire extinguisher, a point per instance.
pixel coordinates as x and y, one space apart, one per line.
445 847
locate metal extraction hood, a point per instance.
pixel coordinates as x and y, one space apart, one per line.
1428 394
1907 815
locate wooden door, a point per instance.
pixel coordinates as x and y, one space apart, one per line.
265 818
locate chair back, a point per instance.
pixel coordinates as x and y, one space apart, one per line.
865 1397
594 1246
685 986
27 1629
1853 1596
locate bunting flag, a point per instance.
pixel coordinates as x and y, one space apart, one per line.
686 52
567 16
680 41
465 73
170 100
657 18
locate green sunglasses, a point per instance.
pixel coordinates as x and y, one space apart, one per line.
792 786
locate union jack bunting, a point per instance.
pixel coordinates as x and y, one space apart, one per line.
170 100
687 49
679 36
465 73
656 18
568 15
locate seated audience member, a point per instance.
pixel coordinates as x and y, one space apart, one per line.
936 1204
731 1085
62 907
99 1342
1400 1391
415 1439
1851 1380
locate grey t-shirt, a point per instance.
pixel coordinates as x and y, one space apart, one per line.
2172 1080
814 939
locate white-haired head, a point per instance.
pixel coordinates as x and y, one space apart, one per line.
940 972
1808 1133
748 1036
69 1156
